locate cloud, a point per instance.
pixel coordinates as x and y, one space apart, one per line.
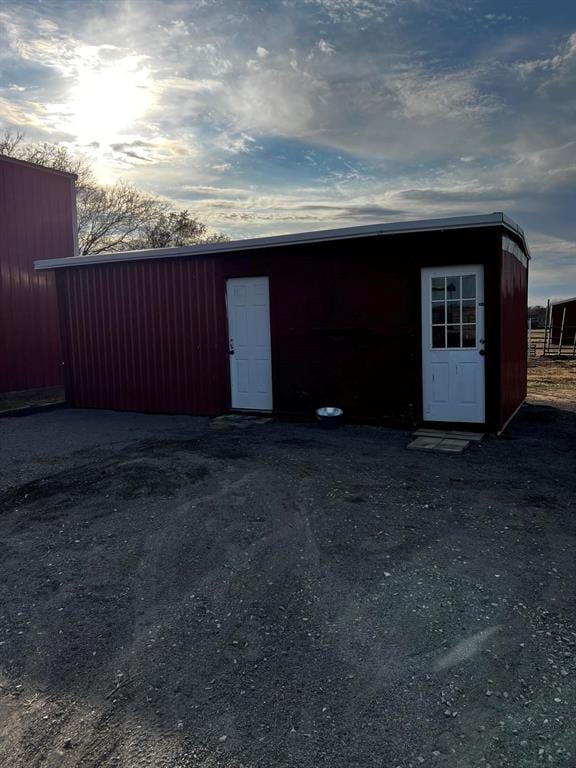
353 10
309 114
325 46
560 65
276 102
215 192
23 113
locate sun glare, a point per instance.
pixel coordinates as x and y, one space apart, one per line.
108 99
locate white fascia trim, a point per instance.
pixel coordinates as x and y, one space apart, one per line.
74 216
562 301
344 233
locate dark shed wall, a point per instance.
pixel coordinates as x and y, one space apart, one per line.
346 320
345 326
36 222
569 331
513 334
148 336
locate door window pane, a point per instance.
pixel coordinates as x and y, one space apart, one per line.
438 314
453 287
468 335
438 292
469 286
453 312
438 340
469 311
453 336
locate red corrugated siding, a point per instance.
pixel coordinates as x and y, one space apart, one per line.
345 319
513 335
36 222
149 336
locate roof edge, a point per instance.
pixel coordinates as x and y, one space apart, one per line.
302 238
37 166
562 301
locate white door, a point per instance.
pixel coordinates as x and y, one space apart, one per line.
249 339
453 344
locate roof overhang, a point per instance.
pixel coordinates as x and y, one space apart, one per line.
303 238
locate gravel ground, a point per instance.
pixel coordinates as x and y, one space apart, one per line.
174 594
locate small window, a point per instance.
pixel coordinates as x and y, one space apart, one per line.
453 336
468 311
453 287
454 311
439 336
468 335
438 314
438 288
469 286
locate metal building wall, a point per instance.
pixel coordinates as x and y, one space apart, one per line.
147 336
513 335
36 222
568 333
345 324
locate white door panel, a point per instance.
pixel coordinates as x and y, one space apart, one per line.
453 344
249 339
440 382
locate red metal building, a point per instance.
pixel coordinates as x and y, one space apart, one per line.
423 321
37 221
563 323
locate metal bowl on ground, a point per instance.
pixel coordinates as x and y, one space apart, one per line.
329 417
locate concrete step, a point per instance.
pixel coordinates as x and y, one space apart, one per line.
438 444
473 437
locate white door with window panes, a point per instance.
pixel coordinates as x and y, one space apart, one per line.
453 344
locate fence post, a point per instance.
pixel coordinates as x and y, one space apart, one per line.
561 332
547 328
529 337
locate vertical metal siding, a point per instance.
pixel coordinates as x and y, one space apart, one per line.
345 319
36 222
513 335
149 336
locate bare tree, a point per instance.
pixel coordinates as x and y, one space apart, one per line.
10 141
171 229
113 217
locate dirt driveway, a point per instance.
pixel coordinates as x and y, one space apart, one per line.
174 595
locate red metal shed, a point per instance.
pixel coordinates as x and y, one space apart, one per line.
563 323
423 321
37 221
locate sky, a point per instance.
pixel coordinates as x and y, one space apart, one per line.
295 115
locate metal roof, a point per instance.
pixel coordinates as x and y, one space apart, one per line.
327 235
562 301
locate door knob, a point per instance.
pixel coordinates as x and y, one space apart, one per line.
482 352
